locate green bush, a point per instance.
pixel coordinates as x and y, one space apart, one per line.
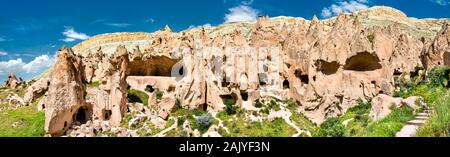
332 127
439 76
230 107
159 95
204 122
274 105
371 37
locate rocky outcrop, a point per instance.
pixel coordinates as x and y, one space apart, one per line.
326 66
12 82
14 101
36 90
65 102
439 51
382 105
112 95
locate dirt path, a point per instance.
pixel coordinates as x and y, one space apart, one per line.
411 127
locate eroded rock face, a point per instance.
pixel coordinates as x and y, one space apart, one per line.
439 51
112 94
12 82
326 66
65 102
36 90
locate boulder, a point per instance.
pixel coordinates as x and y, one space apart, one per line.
36 90
382 104
15 101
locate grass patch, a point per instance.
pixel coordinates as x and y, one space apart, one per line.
239 126
360 121
29 122
388 126
93 84
136 96
438 125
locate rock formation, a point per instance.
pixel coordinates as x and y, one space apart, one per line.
36 90
112 94
12 82
382 104
65 101
325 66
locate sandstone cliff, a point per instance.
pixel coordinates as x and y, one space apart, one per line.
325 66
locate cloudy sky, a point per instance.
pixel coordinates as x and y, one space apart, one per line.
32 31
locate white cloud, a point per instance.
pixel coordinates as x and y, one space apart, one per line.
3 53
26 70
150 20
72 35
441 2
201 26
119 25
345 7
241 13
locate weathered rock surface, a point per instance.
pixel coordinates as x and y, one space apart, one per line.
36 90
15 101
65 102
382 104
12 82
112 100
325 66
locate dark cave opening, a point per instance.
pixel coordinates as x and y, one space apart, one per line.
363 62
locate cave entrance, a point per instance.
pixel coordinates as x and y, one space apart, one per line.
244 96
81 115
155 66
327 68
107 114
303 78
363 62
286 84
229 100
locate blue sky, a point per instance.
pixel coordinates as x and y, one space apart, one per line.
31 31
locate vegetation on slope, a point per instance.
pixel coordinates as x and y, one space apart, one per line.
22 122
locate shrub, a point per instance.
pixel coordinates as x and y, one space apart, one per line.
371 37
204 122
230 106
159 95
274 105
332 127
361 108
439 76
258 104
